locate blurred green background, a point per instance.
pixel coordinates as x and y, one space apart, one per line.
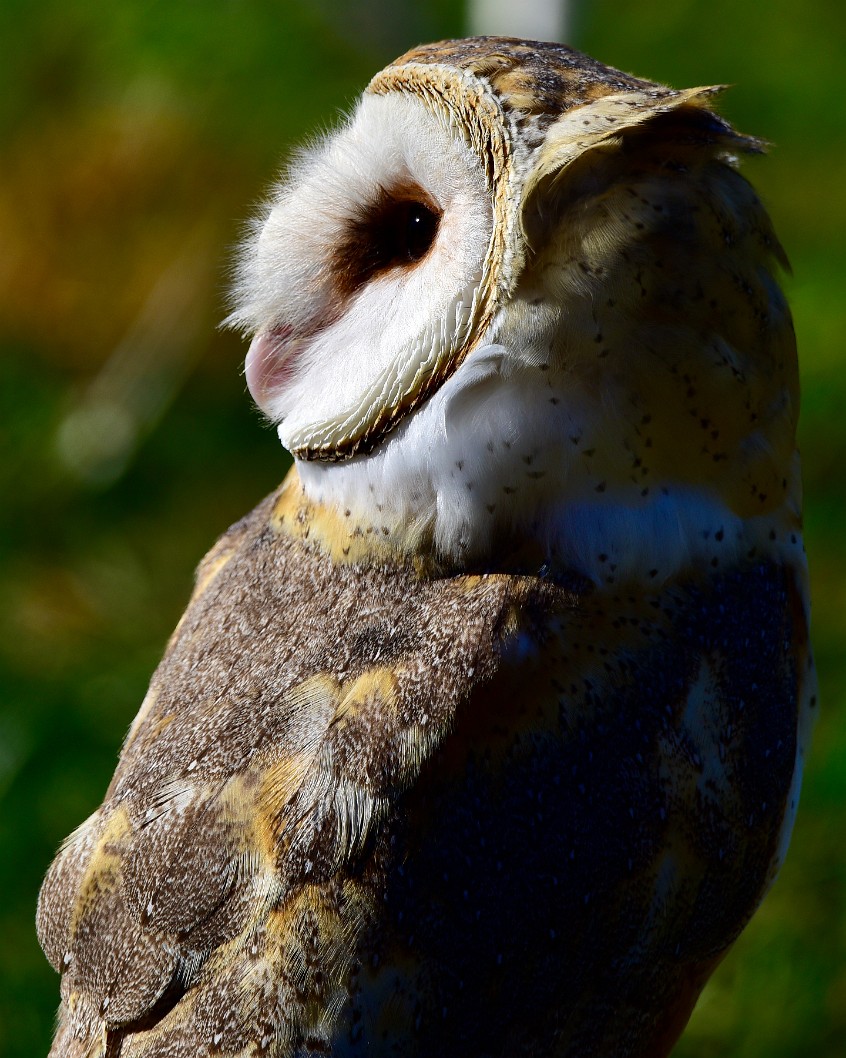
134 137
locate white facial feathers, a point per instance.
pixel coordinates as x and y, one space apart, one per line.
347 317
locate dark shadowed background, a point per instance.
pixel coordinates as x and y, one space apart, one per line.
134 137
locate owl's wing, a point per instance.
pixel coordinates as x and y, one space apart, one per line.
216 897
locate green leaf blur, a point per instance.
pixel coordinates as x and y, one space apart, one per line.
134 138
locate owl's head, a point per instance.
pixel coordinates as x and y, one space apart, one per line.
519 288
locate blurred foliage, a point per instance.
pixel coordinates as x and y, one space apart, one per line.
134 136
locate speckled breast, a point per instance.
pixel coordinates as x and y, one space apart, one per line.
593 833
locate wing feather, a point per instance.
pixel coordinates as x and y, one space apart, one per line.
213 890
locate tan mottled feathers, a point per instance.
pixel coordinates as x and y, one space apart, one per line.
246 780
244 846
537 78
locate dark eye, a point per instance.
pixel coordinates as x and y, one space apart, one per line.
416 228
394 232
398 231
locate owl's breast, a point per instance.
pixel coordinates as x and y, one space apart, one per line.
596 829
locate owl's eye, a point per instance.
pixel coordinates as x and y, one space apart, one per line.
416 227
398 231
394 232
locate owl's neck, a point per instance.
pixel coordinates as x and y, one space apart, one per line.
495 473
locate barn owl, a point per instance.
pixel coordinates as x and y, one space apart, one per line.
483 734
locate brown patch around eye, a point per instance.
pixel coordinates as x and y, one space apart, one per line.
396 230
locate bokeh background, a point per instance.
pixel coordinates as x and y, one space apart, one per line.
134 137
